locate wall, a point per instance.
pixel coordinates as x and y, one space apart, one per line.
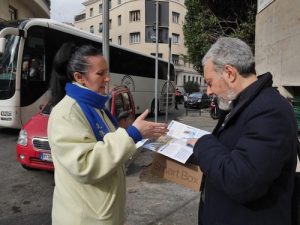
25 9
277 42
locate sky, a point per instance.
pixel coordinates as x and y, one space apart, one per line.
65 10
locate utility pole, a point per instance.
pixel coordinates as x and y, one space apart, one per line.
105 35
156 62
168 80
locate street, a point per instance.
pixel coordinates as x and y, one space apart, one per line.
104 44
26 195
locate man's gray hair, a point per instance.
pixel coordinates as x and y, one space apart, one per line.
231 51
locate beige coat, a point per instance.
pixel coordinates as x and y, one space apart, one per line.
89 175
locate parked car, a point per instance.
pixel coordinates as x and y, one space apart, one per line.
32 148
197 100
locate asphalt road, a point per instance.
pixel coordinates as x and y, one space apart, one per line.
26 195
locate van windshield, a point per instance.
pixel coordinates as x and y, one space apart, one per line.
8 60
8 67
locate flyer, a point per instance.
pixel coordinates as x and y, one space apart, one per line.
174 144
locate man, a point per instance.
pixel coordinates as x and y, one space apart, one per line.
177 97
249 160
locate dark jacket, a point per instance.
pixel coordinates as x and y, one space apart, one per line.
249 161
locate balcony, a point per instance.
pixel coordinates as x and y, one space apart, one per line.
80 17
39 9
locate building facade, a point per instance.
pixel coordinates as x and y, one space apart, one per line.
18 9
277 44
132 25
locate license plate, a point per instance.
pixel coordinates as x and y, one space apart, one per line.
46 157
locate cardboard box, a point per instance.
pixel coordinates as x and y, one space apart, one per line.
187 175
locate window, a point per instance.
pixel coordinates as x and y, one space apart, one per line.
91 12
135 37
120 40
33 69
92 29
13 12
193 79
134 16
175 17
100 9
189 78
119 2
100 27
196 79
160 55
175 38
109 4
119 20
184 79
175 59
110 40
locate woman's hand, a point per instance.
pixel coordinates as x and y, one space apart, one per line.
149 129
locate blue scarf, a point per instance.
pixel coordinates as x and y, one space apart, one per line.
89 100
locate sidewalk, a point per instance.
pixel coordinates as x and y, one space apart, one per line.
155 201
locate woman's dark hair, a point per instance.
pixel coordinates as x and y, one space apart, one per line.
68 60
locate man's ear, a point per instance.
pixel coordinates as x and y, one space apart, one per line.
78 77
230 73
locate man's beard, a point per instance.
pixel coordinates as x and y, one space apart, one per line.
225 103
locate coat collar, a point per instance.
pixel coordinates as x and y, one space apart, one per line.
244 98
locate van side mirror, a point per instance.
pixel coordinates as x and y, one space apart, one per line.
2 45
9 31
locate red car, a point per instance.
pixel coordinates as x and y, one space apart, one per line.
33 150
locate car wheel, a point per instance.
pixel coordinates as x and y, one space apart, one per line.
214 115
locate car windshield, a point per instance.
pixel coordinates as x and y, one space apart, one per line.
196 95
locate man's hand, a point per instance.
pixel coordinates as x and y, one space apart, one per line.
192 142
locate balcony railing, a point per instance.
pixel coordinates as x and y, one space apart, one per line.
80 17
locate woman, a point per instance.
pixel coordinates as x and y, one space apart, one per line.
88 150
